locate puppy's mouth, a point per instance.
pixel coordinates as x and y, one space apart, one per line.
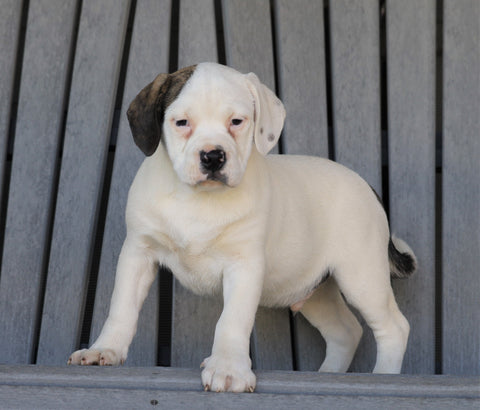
217 177
214 179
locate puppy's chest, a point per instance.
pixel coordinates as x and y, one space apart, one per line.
187 239
190 248
194 262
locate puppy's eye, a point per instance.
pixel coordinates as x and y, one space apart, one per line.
237 121
181 123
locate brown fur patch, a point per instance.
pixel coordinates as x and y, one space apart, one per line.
145 113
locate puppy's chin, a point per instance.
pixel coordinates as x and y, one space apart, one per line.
211 185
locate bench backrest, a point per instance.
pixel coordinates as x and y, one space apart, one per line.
391 90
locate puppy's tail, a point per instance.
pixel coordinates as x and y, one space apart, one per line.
403 262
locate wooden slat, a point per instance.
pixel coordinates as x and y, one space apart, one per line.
461 188
148 57
10 14
301 66
38 128
411 143
356 86
356 106
193 326
194 317
197 40
83 387
92 98
248 38
248 42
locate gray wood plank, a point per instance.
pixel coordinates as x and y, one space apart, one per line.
193 326
248 38
194 317
355 53
301 66
113 388
310 346
38 129
92 98
197 40
411 137
248 42
10 14
148 57
461 188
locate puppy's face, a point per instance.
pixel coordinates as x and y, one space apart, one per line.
209 117
209 128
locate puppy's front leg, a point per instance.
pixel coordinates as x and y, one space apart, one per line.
136 271
229 366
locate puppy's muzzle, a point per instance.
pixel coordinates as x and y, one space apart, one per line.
212 161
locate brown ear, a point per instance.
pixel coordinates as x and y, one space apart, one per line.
145 113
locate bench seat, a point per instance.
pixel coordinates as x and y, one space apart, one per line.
44 387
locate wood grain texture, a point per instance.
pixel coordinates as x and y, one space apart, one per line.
38 129
193 326
248 38
356 86
299 35
10 14
148 56
92 97
248 42
411 143
197 35
461 188
110 388
355 53
301 67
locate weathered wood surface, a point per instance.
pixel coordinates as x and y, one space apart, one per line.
461 188
42 387
66 151
411 144
90 112
300 35
35 154
355 51
148 56
10 15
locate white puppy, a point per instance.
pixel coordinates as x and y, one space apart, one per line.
208 203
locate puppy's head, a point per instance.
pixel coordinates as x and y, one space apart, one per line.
209 116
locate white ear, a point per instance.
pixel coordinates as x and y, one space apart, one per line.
269 115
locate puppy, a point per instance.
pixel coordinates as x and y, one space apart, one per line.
274 230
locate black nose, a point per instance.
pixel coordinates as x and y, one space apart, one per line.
213 160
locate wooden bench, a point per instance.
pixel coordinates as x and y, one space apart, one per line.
391 90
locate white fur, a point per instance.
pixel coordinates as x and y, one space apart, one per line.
269 237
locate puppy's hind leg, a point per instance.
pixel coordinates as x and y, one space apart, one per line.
366 286
328 312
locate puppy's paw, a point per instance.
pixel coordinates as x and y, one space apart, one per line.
222 374
96 357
